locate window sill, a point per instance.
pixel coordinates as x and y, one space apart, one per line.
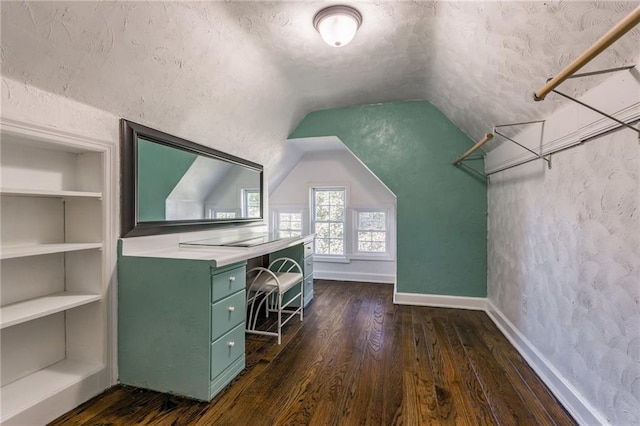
379 257
330 259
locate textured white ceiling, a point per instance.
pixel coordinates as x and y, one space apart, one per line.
240 75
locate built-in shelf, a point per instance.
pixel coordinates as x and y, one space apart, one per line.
57 222
28 310
34 388
39 249
49 193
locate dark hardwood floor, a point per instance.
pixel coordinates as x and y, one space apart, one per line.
358 360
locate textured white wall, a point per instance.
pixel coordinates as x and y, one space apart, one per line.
215 86
564 266
26 103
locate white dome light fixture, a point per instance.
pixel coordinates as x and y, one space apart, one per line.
337 24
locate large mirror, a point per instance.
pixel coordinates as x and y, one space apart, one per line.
172 185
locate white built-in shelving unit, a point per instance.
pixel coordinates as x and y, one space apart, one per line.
56 259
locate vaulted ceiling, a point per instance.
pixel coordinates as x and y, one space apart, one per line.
239 75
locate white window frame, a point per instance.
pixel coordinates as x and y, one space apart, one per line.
245 201
295 210
389 253
345 230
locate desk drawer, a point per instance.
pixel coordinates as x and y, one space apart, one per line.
227 349
308 249
307 266
308 286
228 282
226 314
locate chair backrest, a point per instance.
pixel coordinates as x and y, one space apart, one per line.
255 281
285 264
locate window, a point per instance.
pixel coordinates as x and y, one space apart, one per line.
371 232
328 207
225 215
251 202
289 224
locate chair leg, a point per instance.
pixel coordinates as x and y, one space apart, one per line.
279 317
301 299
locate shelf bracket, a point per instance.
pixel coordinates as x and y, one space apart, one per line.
538 156
622 123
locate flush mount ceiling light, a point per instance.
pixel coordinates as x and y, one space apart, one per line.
337 24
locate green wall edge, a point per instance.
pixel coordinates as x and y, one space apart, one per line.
441 209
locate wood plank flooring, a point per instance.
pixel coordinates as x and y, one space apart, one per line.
357 359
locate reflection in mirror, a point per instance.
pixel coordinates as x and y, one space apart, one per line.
169 182
180 185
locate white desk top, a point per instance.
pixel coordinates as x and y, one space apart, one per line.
220 255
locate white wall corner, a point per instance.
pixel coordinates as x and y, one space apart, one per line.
440 301
581 410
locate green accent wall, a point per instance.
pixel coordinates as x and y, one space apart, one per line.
441 209
160 168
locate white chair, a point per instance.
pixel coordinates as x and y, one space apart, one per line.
267 287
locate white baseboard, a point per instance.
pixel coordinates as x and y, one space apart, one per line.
354 276
458 302
581 410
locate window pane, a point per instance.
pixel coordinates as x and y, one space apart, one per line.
336 247
329 217
372 220
322 213
336 213
289 224
322 230
378 236
225 215
371 233
336 230
377 247
337 197
322 246
364 246
321 198
287 234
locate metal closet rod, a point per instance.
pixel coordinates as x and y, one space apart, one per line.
474 148
605 41
518 124
555 151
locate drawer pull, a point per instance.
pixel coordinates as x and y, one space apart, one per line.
232 279
232 344
232 308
